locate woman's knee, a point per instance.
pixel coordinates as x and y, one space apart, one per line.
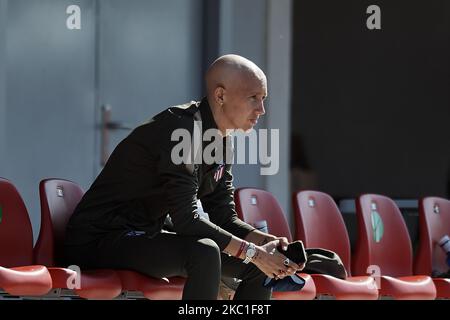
206 250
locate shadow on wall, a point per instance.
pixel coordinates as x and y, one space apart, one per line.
303 177
448 180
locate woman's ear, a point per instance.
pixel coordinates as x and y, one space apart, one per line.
219 95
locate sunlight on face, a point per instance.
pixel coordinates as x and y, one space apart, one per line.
245 102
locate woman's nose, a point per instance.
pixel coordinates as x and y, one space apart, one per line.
261 111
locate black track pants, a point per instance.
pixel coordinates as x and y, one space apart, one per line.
167 255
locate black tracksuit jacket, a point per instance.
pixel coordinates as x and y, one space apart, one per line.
140 186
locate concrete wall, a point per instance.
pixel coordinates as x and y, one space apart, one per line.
261 31
279 73
3 17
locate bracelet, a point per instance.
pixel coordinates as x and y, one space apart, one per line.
241 248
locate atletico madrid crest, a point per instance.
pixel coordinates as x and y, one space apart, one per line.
219 172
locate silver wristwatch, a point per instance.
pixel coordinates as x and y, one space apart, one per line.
250 253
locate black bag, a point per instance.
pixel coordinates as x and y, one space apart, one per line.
290 283
436 274
322 261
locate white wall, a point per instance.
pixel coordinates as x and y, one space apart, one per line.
279 72
242 31
261 31
257 29
3 11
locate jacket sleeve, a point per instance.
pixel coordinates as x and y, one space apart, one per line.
221 209
180 189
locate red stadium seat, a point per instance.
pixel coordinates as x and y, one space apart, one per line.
434 223
319 224
17 276
253 205
152 288
384 244
58 201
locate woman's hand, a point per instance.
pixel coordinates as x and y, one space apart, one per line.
283 241
284 246
273 263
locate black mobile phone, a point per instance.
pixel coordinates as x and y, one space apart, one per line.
295 252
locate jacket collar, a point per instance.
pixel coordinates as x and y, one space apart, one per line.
208 121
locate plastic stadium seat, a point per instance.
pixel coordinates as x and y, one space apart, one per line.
17 276
434 223
58 201
384 245
253 205
152 288
319 224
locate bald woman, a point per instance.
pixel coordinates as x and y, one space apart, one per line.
120 221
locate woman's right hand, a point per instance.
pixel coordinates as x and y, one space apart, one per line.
270 261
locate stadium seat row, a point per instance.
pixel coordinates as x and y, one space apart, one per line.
383 248
28 271
382 262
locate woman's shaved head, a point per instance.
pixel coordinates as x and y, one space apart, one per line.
230 71
236 90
